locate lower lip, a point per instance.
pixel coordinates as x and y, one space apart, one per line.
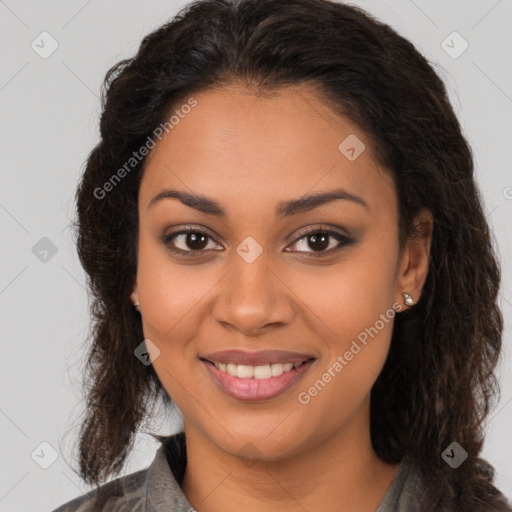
253 390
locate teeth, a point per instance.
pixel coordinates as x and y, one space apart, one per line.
276 369
260 372
244 372
257 372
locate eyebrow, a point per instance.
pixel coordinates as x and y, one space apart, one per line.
283 208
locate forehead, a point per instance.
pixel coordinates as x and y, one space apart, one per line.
255 150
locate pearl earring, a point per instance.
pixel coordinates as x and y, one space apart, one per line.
408 300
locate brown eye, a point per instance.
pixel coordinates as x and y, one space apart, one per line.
318 241
189 242
196 241
322 242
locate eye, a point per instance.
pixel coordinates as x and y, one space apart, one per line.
192 241
322 241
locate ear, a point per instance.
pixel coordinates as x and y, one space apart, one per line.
414 263
134 296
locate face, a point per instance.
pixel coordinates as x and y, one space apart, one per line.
259 267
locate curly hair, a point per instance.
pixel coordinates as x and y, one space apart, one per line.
438 383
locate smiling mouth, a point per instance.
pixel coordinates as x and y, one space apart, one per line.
258 372
255 376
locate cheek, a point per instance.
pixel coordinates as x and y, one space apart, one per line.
173 299
351 296
354 313
356 346
171 294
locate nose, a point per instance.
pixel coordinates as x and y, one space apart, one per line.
252 299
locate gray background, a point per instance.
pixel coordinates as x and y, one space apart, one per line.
49 111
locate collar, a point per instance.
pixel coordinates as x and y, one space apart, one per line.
165 475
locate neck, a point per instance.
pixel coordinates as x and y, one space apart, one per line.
341 472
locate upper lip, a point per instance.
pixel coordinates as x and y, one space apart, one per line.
256 358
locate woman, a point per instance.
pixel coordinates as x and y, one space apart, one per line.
283 237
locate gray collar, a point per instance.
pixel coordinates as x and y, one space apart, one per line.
164 494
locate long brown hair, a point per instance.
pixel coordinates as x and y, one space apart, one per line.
438 383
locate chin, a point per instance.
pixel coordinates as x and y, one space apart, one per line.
263 445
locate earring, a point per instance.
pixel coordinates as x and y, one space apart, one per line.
136 305
408 300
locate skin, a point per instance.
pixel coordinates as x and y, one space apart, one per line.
248 153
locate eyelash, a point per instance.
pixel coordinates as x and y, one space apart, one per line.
344 241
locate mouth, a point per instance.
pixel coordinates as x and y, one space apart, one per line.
255 383
259 372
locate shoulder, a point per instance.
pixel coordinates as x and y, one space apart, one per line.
154 488
127 491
